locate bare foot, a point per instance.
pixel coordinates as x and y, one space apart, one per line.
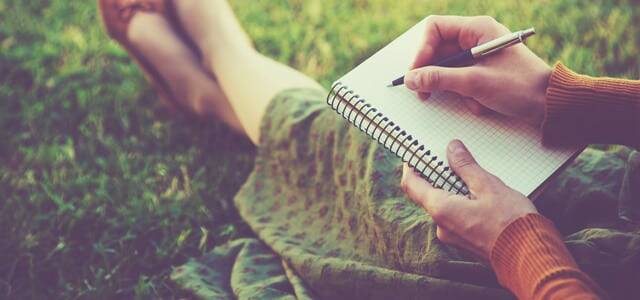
212 25
191 85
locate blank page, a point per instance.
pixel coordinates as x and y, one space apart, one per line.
507 148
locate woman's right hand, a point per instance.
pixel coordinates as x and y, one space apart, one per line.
512 81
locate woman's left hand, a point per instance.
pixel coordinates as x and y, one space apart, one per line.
474 222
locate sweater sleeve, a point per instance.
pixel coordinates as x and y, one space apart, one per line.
530 259
583 110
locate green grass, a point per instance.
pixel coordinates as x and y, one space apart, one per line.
102 194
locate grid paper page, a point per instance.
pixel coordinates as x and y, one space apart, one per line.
505 147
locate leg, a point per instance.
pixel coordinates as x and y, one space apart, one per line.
249 79
192 86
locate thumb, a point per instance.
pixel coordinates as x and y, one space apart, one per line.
464 165
444 208
433 78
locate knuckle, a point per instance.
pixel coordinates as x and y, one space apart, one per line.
463 161
432 18
492 25
489 20
437 213
429 19
431 80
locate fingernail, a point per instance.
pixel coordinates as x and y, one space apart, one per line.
456 147
410 80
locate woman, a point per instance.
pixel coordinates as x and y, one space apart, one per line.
326 202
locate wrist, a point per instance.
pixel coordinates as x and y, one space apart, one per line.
537 113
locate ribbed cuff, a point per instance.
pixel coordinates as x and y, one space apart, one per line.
582 110
528 252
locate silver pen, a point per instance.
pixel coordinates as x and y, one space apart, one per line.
467 57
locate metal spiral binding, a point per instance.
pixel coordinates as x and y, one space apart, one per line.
372 122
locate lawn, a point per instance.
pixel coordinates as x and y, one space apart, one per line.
102 192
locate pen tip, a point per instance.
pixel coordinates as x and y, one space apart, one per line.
390 85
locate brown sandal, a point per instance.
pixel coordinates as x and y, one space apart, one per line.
116 16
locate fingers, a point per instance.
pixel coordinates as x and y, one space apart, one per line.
464 165
419 190
463 32
443 207
446 210
439 29
428 79
449 237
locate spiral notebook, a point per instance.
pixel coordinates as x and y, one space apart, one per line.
419 131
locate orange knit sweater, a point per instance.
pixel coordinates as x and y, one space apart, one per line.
579 110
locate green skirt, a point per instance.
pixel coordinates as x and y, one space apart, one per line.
332 222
